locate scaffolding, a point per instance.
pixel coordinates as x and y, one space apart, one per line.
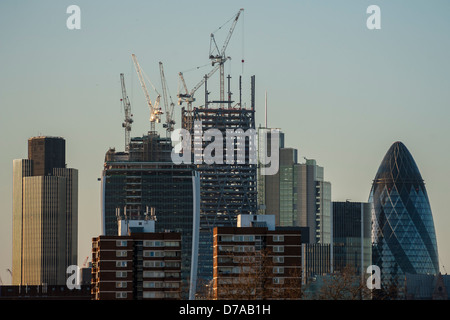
226 189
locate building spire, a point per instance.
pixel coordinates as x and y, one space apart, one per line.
265 111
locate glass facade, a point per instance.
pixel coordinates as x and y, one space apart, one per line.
135 187
351 236
226 189
403 234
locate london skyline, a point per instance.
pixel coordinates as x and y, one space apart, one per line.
341 93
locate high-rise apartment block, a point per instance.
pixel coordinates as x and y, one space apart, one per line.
256 260
137 263
45 214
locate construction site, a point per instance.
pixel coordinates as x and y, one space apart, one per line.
225 190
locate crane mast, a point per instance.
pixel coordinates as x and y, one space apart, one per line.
127 109
169 125
155 111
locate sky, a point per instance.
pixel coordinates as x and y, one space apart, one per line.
340 92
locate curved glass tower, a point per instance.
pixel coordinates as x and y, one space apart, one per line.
403 235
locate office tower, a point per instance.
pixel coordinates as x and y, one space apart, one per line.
352 245
137 263
256 260
403 234
297 194
316 260
45 214
227 189
143 178
46 153
268 185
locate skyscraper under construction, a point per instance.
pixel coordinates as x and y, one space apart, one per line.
227 189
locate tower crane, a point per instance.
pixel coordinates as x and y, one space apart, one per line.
220 58
189 96
168 109
128 116
155 110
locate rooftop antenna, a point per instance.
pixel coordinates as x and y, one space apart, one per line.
265 110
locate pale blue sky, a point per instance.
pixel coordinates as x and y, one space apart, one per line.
341 93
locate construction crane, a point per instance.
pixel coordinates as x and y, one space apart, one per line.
220 58
155 110
169 125
128 116
189 96
85 263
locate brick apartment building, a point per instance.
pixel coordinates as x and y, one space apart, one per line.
136 264
257 260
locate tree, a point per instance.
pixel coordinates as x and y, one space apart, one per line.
344 285
251 276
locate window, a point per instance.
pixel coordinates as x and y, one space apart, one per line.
172 285
152 294
121 274
121 253
243 238
153 284
278 238
277 280
225 270
153 274
226 238
244 259
278 259
278 270
172 295
225 259
148 253
244 249
172 253
121 243
172 274
226 248
121 284
153 264
172 243
172 264
121 264
121 295
278 249
153 243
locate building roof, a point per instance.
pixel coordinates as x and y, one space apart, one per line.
398 165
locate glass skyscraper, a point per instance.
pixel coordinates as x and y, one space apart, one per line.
403 234
297 194
351 236
143 178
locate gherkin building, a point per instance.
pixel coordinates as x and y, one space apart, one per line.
403 234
